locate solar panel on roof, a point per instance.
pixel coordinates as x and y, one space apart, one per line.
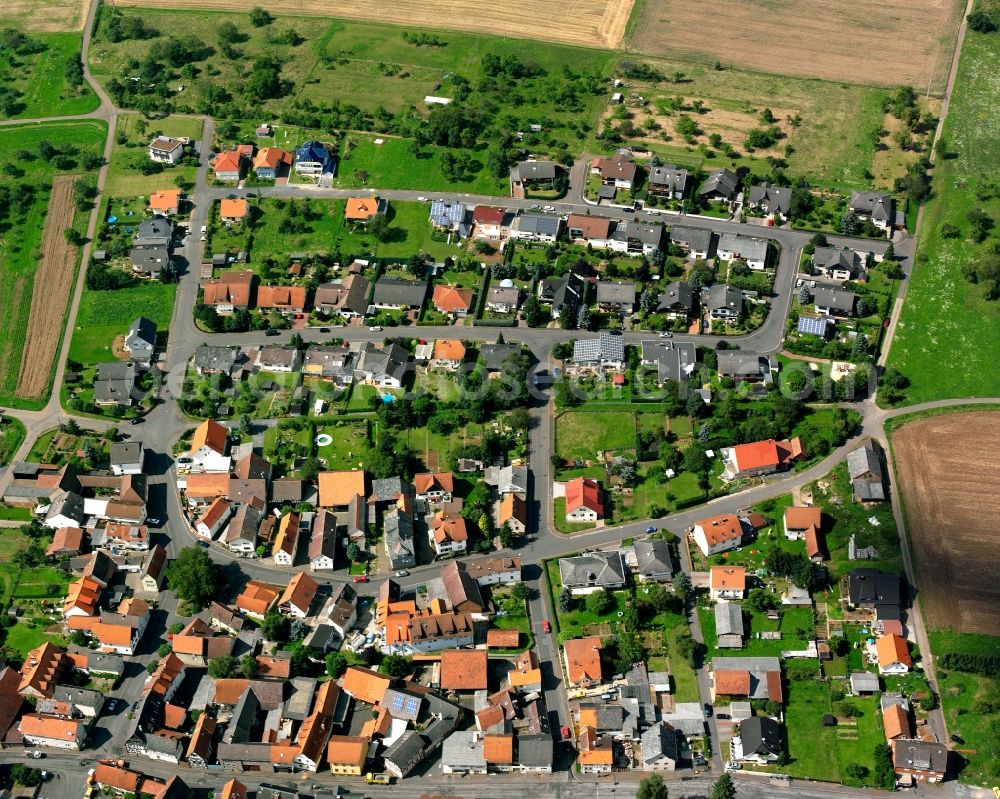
397 702
812 325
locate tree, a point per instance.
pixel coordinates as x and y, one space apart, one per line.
222 667
682 585
275 627
849 223
656 595
856 771
566 600
583 318
981 22
353 552
229 33
724 788
885 774
378 227
194 577
248 667
259 17
759 601
695 459
533 312
599 602
652 788
630 651
396 665
25 775
336 664
521 592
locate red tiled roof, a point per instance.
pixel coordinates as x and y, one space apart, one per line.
464 670
728 578
487 215
583 659
732 682
503 639
722 528
498 749
448 299
582 492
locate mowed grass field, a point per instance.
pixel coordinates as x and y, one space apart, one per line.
40 78
885 42
133 134
948 338
589 22
20 238
951 493
44 15
106 314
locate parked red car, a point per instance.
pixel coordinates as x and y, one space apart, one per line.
546 626
361 578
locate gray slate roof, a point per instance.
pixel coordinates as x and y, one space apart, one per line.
668 176
722 295
723 182
745 247
671 358
776 198
659 743
646 234
399 539
835 258
494 355
534 170
738 363
653 558
397 291
218 359
875 204
616 293
125 452
677 297
728 619
836 299
694 238
594 568
761 736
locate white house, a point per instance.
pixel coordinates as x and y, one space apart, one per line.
214 517
753 250
58 733
717 534
208 447
166 150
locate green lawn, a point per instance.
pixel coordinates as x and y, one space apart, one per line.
133 134
15 514
559 518
581 435
23 221
39 79
12 433
349 438
969 704
685 678
944 316
22 638
795 625
107 314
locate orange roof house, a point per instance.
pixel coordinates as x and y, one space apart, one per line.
896 723
235 210
762 457
732 682
361 209
380 725
434 483
165 202
65 541
210 434
347 752
498 749
365 685
204 486
503 639
337 489
583 497
82 597
170 668
118 778
43 669
288 298
893 654
227 164
231 288
727 582
513 511
452 299
299 595
286 541
234 789
270 158
464 670
449 350
39 729
715 534
805 523
448 529
583 660
257 598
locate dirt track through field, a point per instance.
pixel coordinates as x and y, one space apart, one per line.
51 293
592 23
950 480
887 42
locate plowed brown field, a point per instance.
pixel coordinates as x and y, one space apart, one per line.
882 42
594 23
51 293
950 479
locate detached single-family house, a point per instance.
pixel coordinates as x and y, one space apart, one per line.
743 365
360 210
563 294
140 341
503 297
449 534
269 161
385 368
583 500
592 230
674 360
733 246
278 359
723 184
450 218
834 301
873 205
114 384
287 300
228 166
667 181
396 293
165 202
347 297
636 238
617 297
805 524
893 654
314 160
166 150
491 223
452 300
727 582
695 242
722 302
676 301
536 227
593 571
152 247
619 171
716 534
583 661
761 739
653 561
761 457
836 263
864 465
234 211
230 292
606 352
923 761
774 201
531 175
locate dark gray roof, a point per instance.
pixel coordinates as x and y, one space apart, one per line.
105 663
616 292
835 258
659 743
864 681
397 291
694 238
387 489
66 503
868 586
535 751
594 568
921 756
406 749
653 557
356 298
723 182
494 355
562 291
221 359
646 234
125 452
153 232
776 198
672 177
728 619
534 170
834 298
142 331
391 361
865 468
538 224
875 204
115 370
761 736
299 702
278 356
677 297
745 247
672 359
739 363
84 697
245 524
399 538
607 348
722 295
